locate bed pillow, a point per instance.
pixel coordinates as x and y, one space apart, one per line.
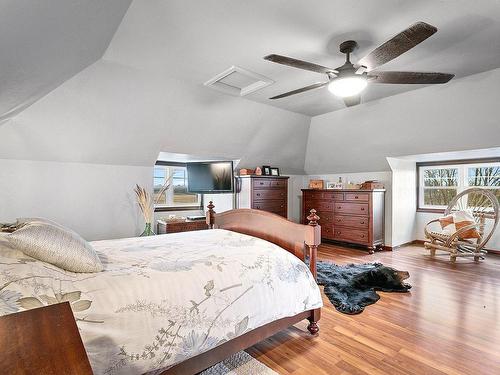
21 221
457 220
56 245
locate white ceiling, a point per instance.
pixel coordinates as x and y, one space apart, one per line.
44 43
195 40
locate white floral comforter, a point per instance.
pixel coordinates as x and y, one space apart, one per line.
166 298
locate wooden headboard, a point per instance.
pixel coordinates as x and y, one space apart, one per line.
296 238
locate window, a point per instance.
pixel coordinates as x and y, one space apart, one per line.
440 182
170 185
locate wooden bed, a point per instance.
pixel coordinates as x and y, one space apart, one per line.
300 240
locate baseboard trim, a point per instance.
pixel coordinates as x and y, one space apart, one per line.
421 243
414 242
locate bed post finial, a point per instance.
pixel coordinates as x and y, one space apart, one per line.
210 215
313 327
313 218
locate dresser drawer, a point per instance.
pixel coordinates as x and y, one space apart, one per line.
359 197
351 235
351 208
327 231
324 217
278 183
313 195
319 205
351 221
270 205
263 194
330 195
261 183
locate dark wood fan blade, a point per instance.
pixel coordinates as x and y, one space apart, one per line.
298 91
398 45
352 100
299 64
410 77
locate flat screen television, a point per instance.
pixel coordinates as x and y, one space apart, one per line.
210 177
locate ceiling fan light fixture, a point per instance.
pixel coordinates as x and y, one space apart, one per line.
348 86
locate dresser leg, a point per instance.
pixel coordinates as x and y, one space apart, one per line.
371 250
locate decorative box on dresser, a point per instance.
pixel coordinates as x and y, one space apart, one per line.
267 193
353 216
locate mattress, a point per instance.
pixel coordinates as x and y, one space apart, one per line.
164 299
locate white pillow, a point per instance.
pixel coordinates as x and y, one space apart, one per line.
56 245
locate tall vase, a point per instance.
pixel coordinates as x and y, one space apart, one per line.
148 231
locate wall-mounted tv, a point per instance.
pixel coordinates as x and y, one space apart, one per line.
210 177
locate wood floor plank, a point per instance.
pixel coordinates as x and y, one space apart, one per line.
448 324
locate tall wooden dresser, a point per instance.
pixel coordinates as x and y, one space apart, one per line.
353 216
267 193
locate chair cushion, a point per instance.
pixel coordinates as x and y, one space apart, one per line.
56 245
457 220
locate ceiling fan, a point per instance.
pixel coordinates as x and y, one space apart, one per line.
349 80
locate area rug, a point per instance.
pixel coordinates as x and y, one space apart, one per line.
240 363
352 287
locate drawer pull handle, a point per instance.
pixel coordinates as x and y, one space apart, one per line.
339 207
356 197
261 183
281 206
362 208
258 194
361 222
362 236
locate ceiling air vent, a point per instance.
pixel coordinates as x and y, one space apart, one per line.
238 81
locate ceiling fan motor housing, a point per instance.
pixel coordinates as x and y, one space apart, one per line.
348 46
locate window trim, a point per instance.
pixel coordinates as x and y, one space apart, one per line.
178 208
447 163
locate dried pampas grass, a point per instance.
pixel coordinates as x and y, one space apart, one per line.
145 202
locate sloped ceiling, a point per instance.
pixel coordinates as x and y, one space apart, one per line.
44 43
194 40
456 117
146 94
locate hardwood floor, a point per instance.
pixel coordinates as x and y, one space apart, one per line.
448 324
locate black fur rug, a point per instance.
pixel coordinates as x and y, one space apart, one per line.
350 288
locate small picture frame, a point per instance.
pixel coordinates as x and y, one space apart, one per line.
330 185
275 171
266 170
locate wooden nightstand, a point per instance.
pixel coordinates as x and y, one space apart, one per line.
163 227
43 341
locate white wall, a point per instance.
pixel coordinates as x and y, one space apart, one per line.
95 200
404 187
110 117
113 114
460 115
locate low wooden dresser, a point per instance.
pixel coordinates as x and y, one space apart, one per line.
267 193
353 216
163 226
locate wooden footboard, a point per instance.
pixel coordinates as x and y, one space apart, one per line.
296 238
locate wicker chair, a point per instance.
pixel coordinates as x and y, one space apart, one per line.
484 207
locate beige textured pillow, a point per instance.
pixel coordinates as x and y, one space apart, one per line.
55 245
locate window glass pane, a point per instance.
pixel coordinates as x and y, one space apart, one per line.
159 175
438 197
441 177
484 176
176 194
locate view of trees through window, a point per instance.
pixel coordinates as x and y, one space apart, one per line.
439 184
177 192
